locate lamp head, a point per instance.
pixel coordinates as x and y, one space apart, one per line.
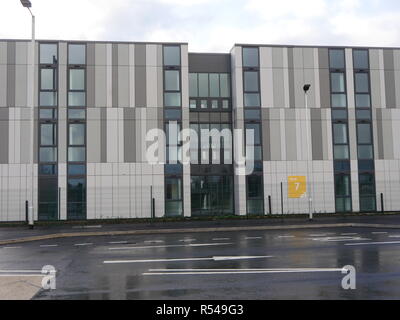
26 3
306 87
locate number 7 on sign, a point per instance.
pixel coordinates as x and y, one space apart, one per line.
297 186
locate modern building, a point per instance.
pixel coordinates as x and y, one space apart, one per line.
95 103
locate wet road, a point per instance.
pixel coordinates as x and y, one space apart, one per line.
224 265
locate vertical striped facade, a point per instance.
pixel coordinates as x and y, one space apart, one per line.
125 98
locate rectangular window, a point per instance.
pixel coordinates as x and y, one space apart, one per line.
48 134
362 82
363 101
48 114
250 57
48 99
252 100
77 54
172 99
48 53
76 114
77 79
193 85
76 134
365 152
336 59
172 55
214 85
48 154
251 81
76 169
76 154
203 84
361 60
224 85
342 185
172 80
341 152
76 99
47 79
337 81
364 133
340 133
339 100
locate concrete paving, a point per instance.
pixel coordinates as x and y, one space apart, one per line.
17 287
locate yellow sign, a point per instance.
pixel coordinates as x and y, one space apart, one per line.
297 187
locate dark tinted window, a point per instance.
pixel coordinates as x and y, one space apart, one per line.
364 133
172 56
48 53
250 57
362 82
336 59
361 60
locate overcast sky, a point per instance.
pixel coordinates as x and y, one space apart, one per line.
209 25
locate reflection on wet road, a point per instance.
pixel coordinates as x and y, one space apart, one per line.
304 264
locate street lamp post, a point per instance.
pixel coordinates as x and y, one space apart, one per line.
31 94
306 88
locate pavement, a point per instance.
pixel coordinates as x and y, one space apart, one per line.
9 235
15 287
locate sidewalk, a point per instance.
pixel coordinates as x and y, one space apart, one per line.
23 234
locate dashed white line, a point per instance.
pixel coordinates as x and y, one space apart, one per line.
188 259
395 236
83 244
372 243
154 241
48 245
11 247
172 246
118 242
380 232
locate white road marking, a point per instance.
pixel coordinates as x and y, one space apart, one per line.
154 241
173 246
23 275
221 239
372 243
349 234
231 271
380 232
188 259
11 247
187 240
118 242
285 237
83 244
252 238
340 239
395 236
87 227
48 245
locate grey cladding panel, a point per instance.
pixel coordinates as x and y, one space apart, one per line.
140 75
129 135
4 128
11 74
115 75
325 88
323 57
103 134
316 135
199 62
